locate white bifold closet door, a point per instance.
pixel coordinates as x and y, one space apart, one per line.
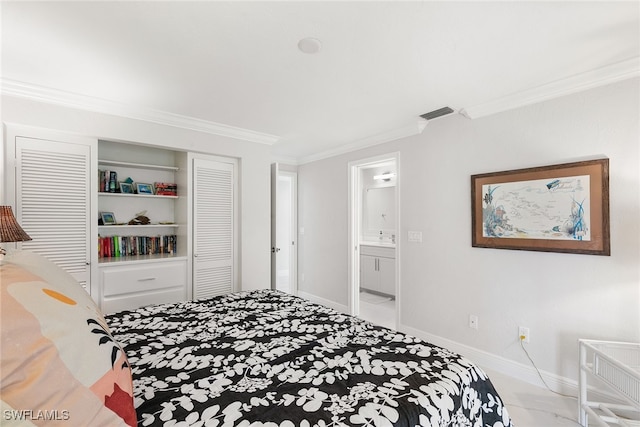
53 202
213 228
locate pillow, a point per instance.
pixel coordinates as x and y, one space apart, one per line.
58 359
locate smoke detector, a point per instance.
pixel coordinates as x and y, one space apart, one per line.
310 45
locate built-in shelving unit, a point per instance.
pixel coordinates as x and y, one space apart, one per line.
129 280
160 209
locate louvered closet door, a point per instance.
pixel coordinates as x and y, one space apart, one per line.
53 202
213 228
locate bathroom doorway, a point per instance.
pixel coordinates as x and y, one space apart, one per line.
373 239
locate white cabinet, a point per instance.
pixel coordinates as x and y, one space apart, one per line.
52 180
52 191
378 269
214 230
387 274
140 264
129 285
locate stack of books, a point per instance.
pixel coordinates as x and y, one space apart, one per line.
166 189
108 181
123 246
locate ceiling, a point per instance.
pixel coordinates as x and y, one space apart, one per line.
234 68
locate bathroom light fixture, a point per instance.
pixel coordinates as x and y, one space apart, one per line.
385 176
309 45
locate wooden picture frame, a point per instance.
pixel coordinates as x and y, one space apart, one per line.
557 208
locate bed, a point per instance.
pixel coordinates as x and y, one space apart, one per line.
269 358
260 358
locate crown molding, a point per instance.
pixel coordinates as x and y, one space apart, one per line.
411 129
284 160
43 94
580 82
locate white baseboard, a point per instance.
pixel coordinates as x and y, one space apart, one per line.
483 359
327 303
519 371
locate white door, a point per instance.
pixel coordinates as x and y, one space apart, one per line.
283 230
275 250
213 228
54 185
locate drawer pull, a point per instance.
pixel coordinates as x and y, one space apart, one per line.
146 279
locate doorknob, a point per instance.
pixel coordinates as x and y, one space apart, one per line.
274 250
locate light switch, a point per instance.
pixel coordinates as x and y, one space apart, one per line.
415 236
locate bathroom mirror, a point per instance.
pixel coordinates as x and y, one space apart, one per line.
379 212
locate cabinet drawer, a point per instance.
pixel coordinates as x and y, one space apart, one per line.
133 278
131 302
378 251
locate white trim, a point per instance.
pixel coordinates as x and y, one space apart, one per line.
353 254
513 369
72 100
353 241
294 229
499 364
414 128
331 304
481 358
580 82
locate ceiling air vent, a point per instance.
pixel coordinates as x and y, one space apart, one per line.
437 113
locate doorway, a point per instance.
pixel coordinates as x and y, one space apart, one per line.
374 188
284 214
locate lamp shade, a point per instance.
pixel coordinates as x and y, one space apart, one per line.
10 230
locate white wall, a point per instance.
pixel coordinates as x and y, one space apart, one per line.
254 166
560 297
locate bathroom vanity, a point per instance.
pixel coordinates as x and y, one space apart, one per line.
378 268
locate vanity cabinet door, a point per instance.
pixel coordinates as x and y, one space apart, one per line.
369 275
387 275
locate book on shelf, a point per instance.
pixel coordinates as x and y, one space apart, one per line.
124 246
108 181
113 181
166 189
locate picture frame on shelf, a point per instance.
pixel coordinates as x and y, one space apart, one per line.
108 218
556 208
126 187
144 188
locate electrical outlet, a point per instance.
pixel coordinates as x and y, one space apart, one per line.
473 321
523 334
415 236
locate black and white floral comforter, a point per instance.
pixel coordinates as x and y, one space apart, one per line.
265 358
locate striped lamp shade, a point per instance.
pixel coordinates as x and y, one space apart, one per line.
10 230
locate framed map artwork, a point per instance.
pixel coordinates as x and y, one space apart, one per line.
558 208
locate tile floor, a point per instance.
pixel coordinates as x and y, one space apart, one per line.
383 313
532 406
528 405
